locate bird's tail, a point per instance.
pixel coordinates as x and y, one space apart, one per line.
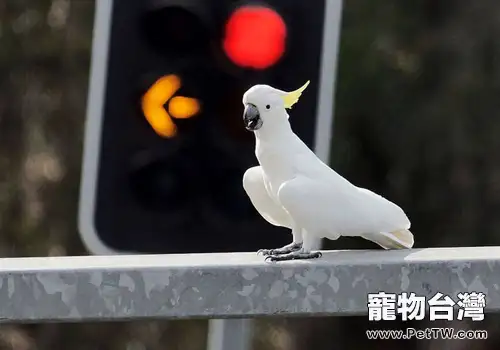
401 239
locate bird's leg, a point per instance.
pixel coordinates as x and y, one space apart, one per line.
302 254
289 248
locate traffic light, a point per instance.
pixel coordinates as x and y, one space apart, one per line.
165 145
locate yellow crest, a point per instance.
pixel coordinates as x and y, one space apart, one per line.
290 98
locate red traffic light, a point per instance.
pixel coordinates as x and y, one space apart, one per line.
255 37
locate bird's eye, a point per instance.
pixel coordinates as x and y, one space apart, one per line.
268 106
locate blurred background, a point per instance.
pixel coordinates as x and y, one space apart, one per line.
415 120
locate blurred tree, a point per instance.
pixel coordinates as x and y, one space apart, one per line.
44 63
415 121
415 108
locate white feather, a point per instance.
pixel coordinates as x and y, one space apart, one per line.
273 212
294 188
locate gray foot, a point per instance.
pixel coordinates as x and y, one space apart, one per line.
294 256
289 248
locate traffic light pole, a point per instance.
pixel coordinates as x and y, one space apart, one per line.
224 334
236 334
230 334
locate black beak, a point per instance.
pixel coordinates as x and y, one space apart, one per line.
251 118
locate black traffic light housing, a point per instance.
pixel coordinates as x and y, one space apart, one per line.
181 192
189 25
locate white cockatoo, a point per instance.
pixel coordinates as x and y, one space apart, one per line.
293 188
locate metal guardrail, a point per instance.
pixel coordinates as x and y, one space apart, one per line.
241 285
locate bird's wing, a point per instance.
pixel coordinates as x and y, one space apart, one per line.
329 211
390 209
253 183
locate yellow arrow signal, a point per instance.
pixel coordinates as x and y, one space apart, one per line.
179 107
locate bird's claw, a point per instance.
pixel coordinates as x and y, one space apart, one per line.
265 252
294 256
290 248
